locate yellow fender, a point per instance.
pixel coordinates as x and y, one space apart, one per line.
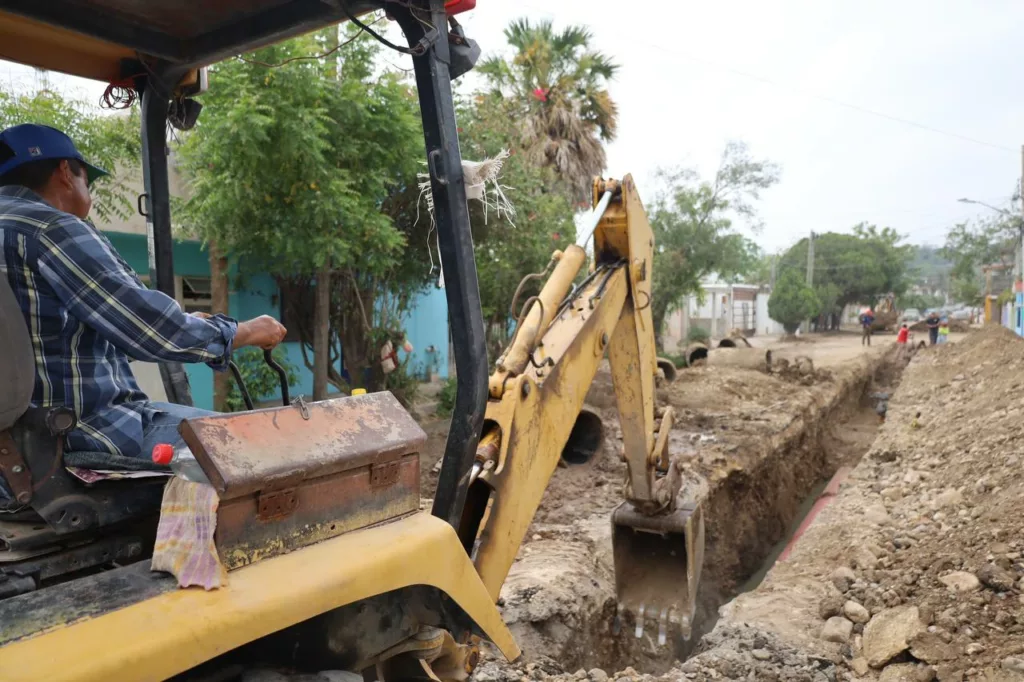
178 630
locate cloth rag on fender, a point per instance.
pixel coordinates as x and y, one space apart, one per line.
184 537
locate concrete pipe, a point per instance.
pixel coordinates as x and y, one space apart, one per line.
668 368
696 354
585 439
750 358
734 342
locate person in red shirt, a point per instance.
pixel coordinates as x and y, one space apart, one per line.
903 338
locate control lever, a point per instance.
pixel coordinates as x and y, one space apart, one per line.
268 357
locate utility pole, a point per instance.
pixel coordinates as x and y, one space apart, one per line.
810 271
1018 280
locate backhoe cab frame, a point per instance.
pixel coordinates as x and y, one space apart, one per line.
170 42
111 40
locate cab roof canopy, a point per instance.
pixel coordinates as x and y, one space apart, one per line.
90 38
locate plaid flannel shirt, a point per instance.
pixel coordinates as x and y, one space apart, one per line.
88 317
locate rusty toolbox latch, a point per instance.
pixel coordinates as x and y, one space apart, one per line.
383 475
277 504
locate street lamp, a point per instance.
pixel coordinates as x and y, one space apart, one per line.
982 203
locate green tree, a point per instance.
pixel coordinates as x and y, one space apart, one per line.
555 88
111 141
993 240
920 301
307 170
792 301
852 268
694 231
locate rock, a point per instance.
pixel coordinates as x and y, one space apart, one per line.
949 673
876 514
837 629
907 672
996 578
961 581
856 612
982 485
931 648
1013 663
973 649
863 559
912 477
889 634
598 675
843 577
892 494
947 498
832 603
860 666
761 654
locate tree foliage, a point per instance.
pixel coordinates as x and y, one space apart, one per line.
110 141
852 268
792 301
993 240
555 88
694 226
313 163
505 252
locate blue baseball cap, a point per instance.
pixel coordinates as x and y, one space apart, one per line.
32 142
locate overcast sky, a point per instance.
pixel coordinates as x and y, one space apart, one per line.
798 81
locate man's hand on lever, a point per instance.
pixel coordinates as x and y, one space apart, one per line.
263 332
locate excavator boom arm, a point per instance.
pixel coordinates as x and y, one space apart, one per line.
538 391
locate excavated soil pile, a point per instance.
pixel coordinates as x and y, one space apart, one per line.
915 572
762 443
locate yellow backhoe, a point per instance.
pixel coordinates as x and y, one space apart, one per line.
331 563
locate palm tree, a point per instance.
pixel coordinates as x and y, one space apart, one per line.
556 84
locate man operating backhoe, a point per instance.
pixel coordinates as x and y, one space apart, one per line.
87 312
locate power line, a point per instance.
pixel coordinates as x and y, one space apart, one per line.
809 93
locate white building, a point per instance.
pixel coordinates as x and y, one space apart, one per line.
724 307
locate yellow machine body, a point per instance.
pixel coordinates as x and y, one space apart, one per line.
178 630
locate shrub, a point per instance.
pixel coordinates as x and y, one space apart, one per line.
698 335
446 398
262 382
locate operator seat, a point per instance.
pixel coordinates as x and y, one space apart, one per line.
32 459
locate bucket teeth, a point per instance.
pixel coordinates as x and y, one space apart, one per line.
663 626
640 622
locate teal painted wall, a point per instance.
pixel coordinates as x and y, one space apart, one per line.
426 325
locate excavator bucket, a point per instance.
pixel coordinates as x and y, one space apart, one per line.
657 569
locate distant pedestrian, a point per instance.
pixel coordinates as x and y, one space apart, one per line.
943 332
933 327
867 318
903 339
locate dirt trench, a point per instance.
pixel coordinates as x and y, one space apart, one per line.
762 443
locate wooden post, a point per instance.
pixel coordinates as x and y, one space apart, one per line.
322 332
219 303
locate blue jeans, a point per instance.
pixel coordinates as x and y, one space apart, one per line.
164 428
